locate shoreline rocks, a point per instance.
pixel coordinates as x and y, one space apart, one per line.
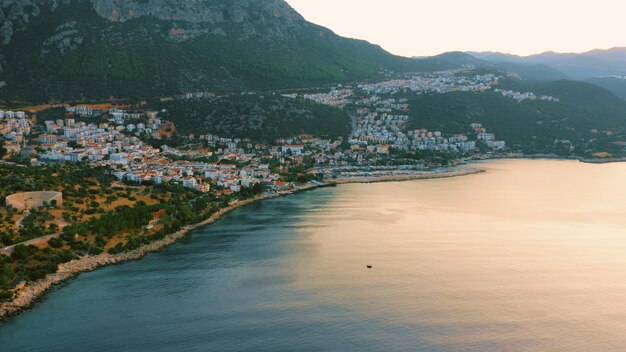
33 292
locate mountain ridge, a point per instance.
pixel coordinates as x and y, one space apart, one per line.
80 49
579 66
459 59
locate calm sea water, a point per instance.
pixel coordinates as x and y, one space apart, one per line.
529 256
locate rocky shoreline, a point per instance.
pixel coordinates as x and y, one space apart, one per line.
33 292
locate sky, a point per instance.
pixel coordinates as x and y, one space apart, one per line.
430 27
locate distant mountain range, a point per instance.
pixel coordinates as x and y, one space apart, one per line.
576 66
605 68
529 71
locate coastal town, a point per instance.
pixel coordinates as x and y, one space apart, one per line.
139 170
224 163
299 175
152 167
134 142
120 140
381 121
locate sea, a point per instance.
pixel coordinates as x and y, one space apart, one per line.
529 256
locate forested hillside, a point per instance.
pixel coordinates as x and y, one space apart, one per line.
257 117
79 49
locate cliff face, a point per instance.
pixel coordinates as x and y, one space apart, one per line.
16 14
199 11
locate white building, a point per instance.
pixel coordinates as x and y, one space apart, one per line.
496 144
486 137
294 148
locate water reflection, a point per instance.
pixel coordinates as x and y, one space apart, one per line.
529 256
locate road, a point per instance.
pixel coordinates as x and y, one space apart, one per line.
7 250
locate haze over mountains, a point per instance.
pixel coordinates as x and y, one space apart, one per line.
575 65
605 68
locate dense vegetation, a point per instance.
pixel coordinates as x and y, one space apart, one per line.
140 57
529 126
122 229
74 180
257 117
617 86
606 108
98 215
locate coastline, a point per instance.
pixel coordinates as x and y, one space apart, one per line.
32 293
556 157
424 175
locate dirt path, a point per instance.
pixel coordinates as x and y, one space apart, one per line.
35 241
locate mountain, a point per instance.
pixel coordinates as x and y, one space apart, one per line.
616 84
262 118
608 110
457 59
530 125
533 72
94 49
577 66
